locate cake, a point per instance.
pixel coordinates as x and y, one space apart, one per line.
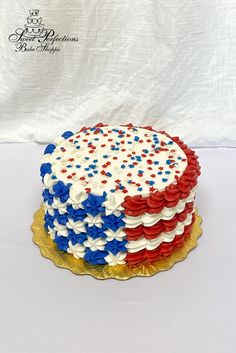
34 26
119 195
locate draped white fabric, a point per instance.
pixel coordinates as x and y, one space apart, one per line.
167 63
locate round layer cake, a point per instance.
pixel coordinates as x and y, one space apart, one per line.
119 194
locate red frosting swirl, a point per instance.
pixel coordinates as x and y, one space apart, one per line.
162 251
160 227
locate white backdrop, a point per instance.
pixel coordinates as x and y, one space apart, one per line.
168 63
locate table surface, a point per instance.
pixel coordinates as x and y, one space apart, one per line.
188 309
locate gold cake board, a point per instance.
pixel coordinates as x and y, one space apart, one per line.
122 272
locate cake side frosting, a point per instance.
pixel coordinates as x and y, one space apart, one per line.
106 224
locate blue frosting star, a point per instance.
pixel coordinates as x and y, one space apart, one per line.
46 168
116 246
95 257
76 238
47 196
61 218
95 232
61 190
93 204
49 221
76 215
62 242
113 222
49 149
67 134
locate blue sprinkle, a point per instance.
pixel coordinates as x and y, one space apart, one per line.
117 143
87 169
156 162
108 174
138 158
67 134
151 182
179 157
159 173
140 189
96 139
95 172
145 151
90 143
90 175
87 158
168 161
50 148
78 166
130 166
170 143
164 180
136 138
140 171
105 156
53 177
95 160
167 172
78 147
132 158
69 166
122 166
129 142
92 166
58 158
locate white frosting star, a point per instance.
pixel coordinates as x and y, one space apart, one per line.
48 181
94 221
117 259
52 232
113 204
59 205
76 197
95 244
78 227
60 228
118 235
77 250
48 208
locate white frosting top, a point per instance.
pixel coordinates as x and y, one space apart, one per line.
116 159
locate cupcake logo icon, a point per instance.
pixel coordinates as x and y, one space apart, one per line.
34 37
